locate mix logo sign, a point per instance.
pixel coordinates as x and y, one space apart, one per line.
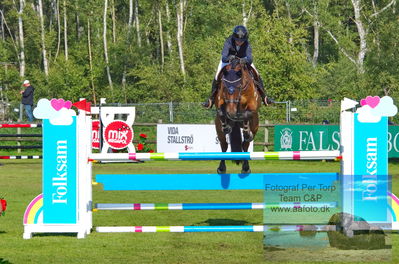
95 132
118 134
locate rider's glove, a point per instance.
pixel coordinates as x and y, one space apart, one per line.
243 60
231 58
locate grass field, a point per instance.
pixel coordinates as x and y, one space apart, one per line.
20 182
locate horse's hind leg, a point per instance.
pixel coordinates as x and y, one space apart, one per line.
223 145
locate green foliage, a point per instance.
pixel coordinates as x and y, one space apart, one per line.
281 60
281 34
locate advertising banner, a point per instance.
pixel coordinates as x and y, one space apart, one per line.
59 177
188 138
321 137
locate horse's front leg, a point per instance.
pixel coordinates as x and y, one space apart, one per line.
226 127
247 133
223 144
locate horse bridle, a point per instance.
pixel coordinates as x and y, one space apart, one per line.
237 100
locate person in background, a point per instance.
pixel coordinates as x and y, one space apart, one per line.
27 99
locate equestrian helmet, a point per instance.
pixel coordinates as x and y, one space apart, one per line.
240 33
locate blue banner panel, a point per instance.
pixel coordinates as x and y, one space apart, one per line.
371 198
371 170
59 173
253 181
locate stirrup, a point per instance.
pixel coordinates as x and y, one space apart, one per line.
265 101
208 104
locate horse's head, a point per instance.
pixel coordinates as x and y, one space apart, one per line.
232 87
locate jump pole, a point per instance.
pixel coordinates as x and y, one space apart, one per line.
19 125
283 155
191 229
207 206
21 157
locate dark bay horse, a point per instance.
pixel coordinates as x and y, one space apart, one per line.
237 102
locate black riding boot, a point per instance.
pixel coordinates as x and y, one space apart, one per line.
261 89
211 100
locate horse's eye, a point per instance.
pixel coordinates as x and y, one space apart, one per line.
225 72
239 74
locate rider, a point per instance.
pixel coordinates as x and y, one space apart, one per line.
236 45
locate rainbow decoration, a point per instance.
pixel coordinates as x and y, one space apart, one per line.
186 229
206 206
34 211
394 209
21 157
282 155
19 125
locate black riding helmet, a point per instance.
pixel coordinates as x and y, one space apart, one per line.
240 33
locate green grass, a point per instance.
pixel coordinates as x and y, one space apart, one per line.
20 182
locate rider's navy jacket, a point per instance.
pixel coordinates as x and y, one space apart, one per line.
231 49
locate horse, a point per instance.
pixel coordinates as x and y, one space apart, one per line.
237 102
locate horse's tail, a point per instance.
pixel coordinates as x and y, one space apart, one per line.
235 140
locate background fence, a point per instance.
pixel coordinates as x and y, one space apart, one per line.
306 112
149 114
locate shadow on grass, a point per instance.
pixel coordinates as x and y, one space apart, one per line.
224 222
54 235
4 261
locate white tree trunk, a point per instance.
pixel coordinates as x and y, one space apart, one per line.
246 15
58 30
316 34
21 39
130 14
161 36
137 22
90 61
2 25
43 39
65 32
169 38
179 13
113 22
106 44
362 36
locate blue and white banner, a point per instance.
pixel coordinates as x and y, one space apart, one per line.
371 183
59 175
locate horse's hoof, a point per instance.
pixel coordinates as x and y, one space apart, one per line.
221 171
246 171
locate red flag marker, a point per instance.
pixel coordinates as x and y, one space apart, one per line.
83 105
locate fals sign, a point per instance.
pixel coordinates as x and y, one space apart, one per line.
306 137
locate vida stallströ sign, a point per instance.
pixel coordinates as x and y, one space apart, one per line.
321 137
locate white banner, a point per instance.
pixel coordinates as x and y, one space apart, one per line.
189 138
